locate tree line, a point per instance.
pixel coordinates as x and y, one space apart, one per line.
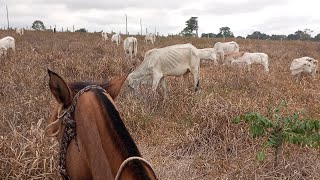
192 27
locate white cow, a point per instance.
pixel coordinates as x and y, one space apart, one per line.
130 46
7 43
173 60
104 35
304 65
230 57
226 48
253 58
150 37
208 54
116 38
20 31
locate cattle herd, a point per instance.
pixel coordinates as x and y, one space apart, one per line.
180 59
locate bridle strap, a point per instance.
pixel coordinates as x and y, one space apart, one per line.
125 162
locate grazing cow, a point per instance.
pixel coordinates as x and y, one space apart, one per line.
104 35
150 37
253 58
116 38
208 54
94 142
7 43
130 46
226 48
173 60
230 57
304 65
20 31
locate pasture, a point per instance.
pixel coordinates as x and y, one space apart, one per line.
188 136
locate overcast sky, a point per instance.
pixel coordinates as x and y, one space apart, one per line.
168 16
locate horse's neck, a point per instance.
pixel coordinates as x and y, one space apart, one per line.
99 135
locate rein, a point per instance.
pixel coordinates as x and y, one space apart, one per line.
125 162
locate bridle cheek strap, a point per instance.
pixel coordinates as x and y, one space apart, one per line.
58 120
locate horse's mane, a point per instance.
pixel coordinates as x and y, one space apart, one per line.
122 137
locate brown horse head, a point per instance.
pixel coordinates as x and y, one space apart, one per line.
94 141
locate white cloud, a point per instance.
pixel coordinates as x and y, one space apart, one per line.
242 16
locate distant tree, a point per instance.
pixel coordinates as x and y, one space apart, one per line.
317 37
293 37
225 32
210 35
278 37
301 35
192 25
81 30
240 37
258 35
306 35
38 25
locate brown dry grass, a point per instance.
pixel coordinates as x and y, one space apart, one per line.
188 137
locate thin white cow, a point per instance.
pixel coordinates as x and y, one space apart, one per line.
173 60
130 46
104 35
116 38
7 43
233 56
226 48
304 65
253 58
20 31
208 54
150 37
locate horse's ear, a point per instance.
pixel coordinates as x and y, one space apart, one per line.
59 89
114 86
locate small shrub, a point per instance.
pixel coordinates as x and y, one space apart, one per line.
281 129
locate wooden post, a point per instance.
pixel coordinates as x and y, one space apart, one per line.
140 27
126 25
8 17
72 28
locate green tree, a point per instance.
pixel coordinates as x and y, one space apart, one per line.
301 35
81 30
240 37
210 35
38 25
306 35
317 37
293 37
192 25
225 32
258 35
278 37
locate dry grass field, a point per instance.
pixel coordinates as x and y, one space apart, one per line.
188 136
